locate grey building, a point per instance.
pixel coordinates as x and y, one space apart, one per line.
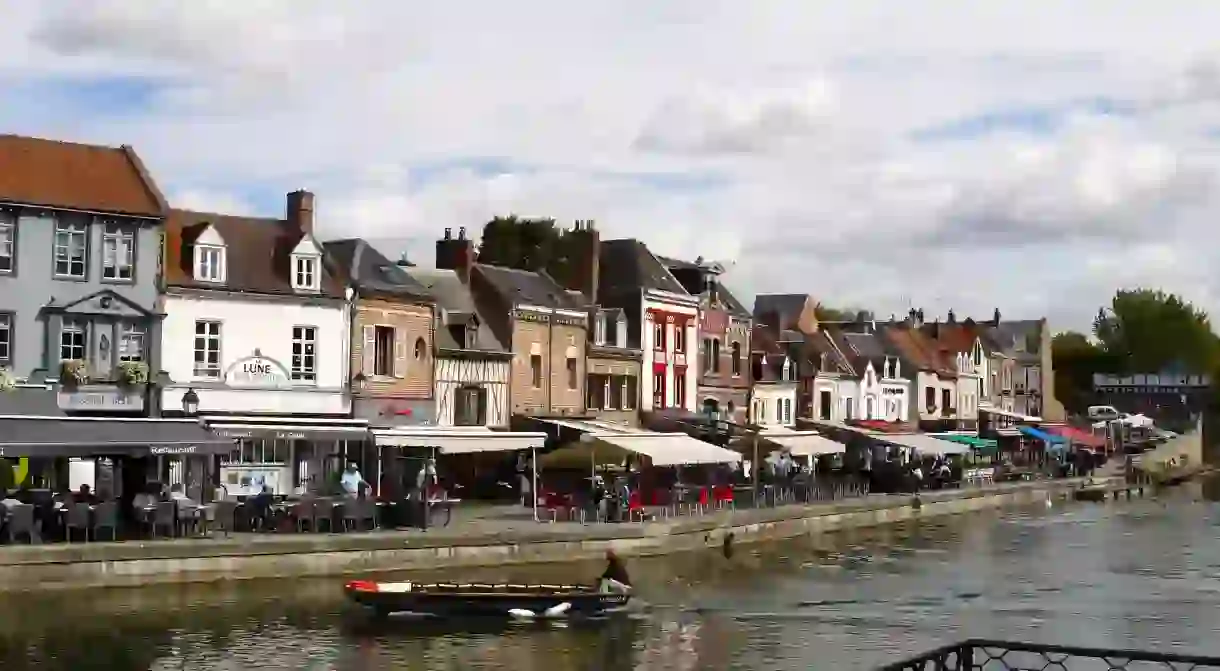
80 330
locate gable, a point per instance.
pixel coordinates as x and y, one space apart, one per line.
105 302
210 236
307 246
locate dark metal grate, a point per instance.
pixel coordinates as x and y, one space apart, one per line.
982 655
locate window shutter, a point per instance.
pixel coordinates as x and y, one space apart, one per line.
481 409
368 353
400 353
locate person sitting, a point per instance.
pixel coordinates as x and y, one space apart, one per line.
84 495
143 500
614 578
351 481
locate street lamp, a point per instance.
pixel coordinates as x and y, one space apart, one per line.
359 382
190 403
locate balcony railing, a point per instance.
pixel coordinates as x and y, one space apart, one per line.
1001 655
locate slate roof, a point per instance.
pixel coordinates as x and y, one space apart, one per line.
524 287
861 348
257 254
1026 331
455 302
67 175
370 272
690 276
628 266
787 306
820 343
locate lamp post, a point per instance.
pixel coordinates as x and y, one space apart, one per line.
190 403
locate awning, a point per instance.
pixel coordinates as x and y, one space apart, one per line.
31 436
1009 414
1138 421
287 428
1077 436
923 443
839 426
661 449
1050 438
588 425
458 439
969 441
799 443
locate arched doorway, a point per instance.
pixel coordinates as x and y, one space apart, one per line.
711 407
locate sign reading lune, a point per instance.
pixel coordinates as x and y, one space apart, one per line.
257 371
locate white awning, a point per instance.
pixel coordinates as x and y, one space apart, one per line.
661 449
1008 413
802 443
458 440
840 426
924 444
588 425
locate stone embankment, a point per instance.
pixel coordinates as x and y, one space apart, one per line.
249 556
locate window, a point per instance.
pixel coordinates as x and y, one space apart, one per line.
73 336
421 349
614 392
383 351
620 333
470 408
207 349
658 335
658 389
536 370
305 273
736 347
707 355
679 389
573 383
630 391
259 451
824 404
946 400
304 354
929 399
679 338
599 330
6 338
8 242
787 411
595 394
715 355
118 253
131 343
209 263
71 248
779 411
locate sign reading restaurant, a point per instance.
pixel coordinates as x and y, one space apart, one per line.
257 371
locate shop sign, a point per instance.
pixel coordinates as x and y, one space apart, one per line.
173 449
104 399
257 371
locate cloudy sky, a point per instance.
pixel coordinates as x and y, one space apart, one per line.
1026 156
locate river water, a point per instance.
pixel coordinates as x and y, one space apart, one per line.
1141 574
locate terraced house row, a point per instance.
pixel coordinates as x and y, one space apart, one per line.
131 328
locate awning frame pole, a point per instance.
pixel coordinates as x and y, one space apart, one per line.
754 469
534 483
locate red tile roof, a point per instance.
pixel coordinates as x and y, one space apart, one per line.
73 176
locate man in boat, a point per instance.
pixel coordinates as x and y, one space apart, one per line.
614 578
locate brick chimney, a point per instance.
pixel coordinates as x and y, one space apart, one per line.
300 211
586 259
455 254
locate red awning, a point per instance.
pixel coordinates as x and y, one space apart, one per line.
1077 436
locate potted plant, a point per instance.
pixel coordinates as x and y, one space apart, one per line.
73 371
7 380
133 373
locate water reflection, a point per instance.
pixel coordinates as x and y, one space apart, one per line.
1145 574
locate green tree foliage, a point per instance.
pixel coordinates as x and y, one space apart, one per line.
825 313
1148 330
1076 359
528 243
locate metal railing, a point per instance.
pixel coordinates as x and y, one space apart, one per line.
1001 655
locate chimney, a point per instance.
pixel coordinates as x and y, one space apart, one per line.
585 256
995 318
455 254
300 211
952 318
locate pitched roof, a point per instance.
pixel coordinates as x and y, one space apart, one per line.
1027 332
787 306
690 275
919 350
956 337
525 287
454 299
257 254
73 176
370 272
628 265
821 343
861 348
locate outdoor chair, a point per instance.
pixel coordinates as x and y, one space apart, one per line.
223 515
303 513
20 522
324 513
79 515
106 516
188 518
165 516
368 510
354 514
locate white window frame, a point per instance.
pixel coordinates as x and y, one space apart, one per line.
304 354
209 268
7 320
203 329
306 272
72 327
118 253
8 243
66 235
129 334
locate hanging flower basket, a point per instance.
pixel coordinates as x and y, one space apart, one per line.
7 380
73 371
133 373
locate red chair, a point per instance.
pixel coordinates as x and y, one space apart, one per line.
705 499
554 502
723 495
635 506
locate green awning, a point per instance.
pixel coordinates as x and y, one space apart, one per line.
973 441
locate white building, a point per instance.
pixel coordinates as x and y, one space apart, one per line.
883 393
257 331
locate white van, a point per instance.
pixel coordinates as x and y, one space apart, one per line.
1103 412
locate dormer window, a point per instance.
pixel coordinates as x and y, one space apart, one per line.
599 330
620 335
305 275
787 370
209 263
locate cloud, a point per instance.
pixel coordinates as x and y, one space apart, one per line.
1026 157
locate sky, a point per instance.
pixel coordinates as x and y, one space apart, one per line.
1030 157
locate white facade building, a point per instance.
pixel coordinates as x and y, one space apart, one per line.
971 373
259 340
883 394
670 344
774 402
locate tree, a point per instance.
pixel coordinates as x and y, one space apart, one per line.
1076 360
528 244
1148 330
826 313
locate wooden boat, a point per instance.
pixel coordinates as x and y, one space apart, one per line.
483 600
